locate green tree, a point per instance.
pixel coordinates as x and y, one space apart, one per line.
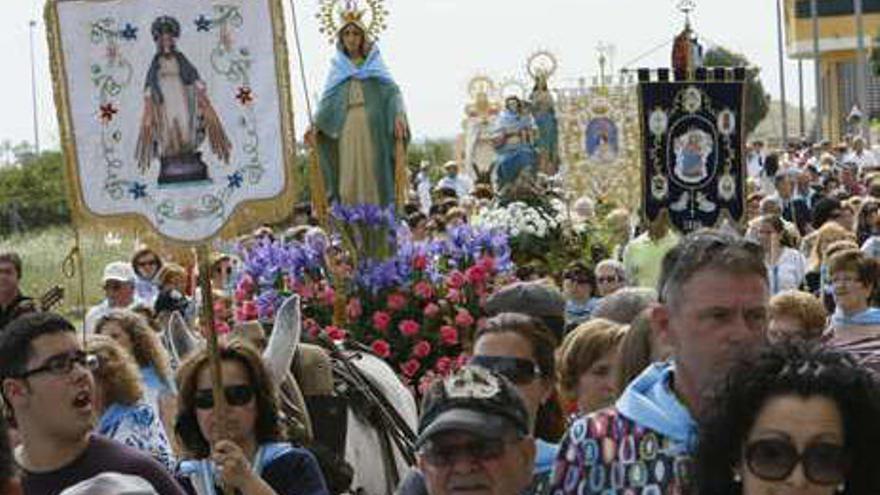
757 103
33 195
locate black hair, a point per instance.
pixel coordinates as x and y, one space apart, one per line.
771 165
6 463
823 209
415 218
788 369
17 336
165 25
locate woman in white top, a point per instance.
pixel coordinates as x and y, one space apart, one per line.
786 267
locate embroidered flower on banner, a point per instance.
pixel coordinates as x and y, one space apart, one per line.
235 180
129 32
244 95
203 24
138 190
107 111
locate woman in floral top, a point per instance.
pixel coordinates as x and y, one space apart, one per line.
124 414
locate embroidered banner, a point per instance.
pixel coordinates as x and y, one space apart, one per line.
692 151
176 112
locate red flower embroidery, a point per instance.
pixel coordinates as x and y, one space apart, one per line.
244 95
107 112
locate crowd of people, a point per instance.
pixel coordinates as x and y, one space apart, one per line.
734 361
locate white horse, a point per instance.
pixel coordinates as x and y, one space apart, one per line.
379 451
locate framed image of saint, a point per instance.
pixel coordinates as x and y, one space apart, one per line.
174 113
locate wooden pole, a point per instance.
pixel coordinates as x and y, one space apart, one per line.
203 253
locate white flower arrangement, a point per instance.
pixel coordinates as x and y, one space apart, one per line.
518 218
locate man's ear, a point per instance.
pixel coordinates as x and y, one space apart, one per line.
12 389
659 319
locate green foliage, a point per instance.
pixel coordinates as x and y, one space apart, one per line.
33 194
43 252
435 151
757 103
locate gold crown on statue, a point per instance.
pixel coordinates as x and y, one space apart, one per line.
333 20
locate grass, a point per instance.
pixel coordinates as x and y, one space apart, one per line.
43 254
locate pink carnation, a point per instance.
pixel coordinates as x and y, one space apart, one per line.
448 335
410 368
354 309
381 348
396 301
422 349
431 310
423 290
335 333
409 327
443 365
381 320
455 279
464 319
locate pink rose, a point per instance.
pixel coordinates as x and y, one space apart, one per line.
381 320
328 296
455 279
423 290
475 275
249 309
410 368
335 333
464 319
448 335
396 301
461 361
443 365
422 349
425 382
420 262
431 310
354 309
381 348
454 295
409 328
221 327
487 263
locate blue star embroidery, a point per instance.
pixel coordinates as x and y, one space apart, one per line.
235 180
138 190
129 32
203 23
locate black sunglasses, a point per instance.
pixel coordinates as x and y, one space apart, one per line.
517 370
62 364
236 395
478 450
774 460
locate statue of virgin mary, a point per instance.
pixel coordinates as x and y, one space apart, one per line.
177 113
359 121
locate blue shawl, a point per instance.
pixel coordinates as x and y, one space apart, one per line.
343 69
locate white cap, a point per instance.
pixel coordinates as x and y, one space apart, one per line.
119 271
112 484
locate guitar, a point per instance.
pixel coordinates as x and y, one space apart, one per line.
51 298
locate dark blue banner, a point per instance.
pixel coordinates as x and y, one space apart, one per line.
692 151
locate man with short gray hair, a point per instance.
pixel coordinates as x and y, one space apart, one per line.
713 306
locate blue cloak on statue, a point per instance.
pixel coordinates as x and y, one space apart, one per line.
514 153
383 104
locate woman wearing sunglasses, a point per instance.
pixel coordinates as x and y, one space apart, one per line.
794 420
124 413
251 457
520 348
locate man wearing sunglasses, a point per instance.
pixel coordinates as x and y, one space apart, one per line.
119 280
46 381
713 307
474 436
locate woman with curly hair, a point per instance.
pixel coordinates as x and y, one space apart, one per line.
795 419
250 456
134 334
124 415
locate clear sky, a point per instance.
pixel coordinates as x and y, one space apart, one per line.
434 47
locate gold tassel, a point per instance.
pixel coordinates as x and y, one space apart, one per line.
401 176
320 205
